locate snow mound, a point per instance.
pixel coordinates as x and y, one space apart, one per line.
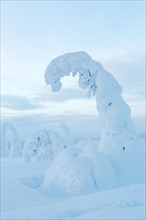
76 173
103 173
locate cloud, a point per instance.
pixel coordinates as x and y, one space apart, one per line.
17 102
134 95
128 68
65 94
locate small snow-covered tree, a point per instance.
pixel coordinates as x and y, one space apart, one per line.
10 142
119 140
65 133
45 144
38 146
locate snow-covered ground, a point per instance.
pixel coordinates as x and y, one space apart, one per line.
33 190
54 175
21 198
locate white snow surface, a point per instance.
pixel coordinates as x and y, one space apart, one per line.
21 198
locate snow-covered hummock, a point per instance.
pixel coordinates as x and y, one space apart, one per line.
75 173
45 144
119 139
10 142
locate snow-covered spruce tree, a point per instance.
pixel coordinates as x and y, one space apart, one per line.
46 144
38 147
119 140
10 143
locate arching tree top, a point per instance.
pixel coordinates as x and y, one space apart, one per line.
77 62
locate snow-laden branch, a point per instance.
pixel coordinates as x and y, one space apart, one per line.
78 62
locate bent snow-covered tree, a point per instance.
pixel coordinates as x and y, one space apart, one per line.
119 140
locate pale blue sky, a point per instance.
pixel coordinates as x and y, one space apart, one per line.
34 32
